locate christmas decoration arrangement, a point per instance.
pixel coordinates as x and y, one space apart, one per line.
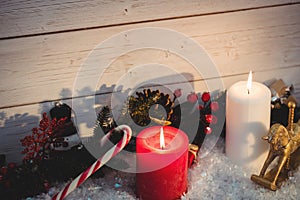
99 162
149 112
283 137
156 108
248 120
53 152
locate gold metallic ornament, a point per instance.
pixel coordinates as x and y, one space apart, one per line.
193 149
150 106
193 152
284 144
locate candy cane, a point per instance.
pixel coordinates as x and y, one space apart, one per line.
99 163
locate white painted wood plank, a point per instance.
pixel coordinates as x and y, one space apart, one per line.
40 68
17 122
20 17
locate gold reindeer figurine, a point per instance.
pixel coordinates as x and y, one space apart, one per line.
284 143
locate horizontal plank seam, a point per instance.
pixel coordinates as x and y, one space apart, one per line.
145 21
109 92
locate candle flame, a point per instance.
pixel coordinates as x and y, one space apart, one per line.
162 138
249 83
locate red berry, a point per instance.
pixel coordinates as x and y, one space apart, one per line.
3 170
200 107
214 106
208 118
177 93
193 98
211 119
207 130
205 97
11 165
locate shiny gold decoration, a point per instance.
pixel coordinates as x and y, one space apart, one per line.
284 144
150 106
193 152
193 149
290 126
160 122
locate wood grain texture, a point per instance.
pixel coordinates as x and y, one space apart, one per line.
17 122
43 45
19 17
37 69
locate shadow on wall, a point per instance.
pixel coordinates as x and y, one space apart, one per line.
12 129
15 127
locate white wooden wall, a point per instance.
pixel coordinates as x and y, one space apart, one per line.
43 44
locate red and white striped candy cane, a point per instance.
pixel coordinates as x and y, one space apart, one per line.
99 163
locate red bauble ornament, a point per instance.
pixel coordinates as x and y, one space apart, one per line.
11 165
193 98
3 170
205 97
207 130
214 106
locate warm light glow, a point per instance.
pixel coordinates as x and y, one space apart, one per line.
162 138
249 83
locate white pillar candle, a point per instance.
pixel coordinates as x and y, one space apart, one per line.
247 120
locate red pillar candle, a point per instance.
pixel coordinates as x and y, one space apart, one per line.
162 169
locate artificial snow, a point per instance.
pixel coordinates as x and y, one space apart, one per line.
213 177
